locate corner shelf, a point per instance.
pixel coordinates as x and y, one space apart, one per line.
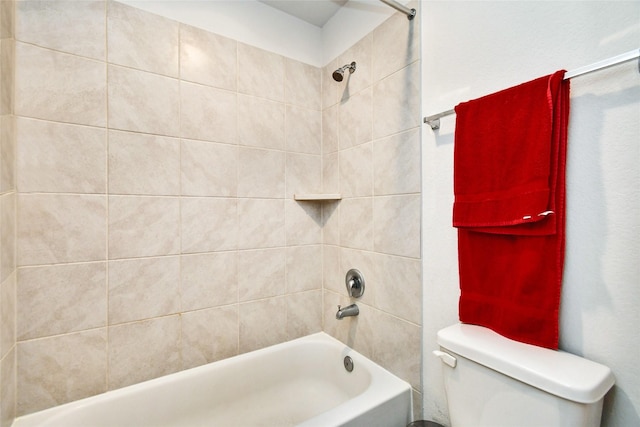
324 197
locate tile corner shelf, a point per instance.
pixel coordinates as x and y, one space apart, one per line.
325 197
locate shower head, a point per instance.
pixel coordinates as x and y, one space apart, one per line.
338 74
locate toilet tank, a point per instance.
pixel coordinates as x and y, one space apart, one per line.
493 381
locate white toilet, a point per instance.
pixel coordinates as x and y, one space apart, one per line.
493 381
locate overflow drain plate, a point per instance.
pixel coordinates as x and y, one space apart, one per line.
348 364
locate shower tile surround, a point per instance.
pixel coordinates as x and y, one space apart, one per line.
8 221
156 236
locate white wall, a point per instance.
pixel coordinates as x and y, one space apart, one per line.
475 48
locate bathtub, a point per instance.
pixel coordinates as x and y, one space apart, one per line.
298 383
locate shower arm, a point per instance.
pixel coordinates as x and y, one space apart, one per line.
411 13
351 67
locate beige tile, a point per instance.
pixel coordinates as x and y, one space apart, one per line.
208 114
396 102
391 271
68 26
143 164
303 223
8 223
330 130
209 169
397 225
7 19
142 40
262 323
304 314
209 280
7 315
261 122
143 226
208 224
261 274
362 334
397 346
332 274
331 223
356 171
355 119
143 102
143 288
304 174
209 335
334 271
7 153
302 84
7 75
61 228
303 130
61 87
339 329
207 58
417 400
59 299
396 44
329 86
60 158
144 350
361 53
331 173
8 389
397 163
61 369
356 223
261 223
261 173
304 268
252 78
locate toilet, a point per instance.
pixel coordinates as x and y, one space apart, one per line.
493 381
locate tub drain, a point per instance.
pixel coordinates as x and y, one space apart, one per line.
348 364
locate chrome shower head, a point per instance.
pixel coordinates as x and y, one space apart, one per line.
338 74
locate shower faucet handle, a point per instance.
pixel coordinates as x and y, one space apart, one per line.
354 281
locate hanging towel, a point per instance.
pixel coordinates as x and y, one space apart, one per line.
509 185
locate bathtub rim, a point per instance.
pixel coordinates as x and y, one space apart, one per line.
372 397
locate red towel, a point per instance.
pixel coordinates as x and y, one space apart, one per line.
509 184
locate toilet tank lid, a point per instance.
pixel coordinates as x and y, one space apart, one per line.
557 372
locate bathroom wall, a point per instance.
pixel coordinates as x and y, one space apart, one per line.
371 155
475 48
156 164
7 219
155 170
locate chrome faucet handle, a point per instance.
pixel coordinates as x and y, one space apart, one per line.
355 283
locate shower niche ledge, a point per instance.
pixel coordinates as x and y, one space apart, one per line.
317 197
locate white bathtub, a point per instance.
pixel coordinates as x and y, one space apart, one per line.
298 383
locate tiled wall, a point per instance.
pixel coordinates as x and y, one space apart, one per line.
156 229
156 164
7 219
371 151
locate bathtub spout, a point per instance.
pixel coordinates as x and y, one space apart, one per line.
351 310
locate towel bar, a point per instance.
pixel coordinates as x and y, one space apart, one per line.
434 120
